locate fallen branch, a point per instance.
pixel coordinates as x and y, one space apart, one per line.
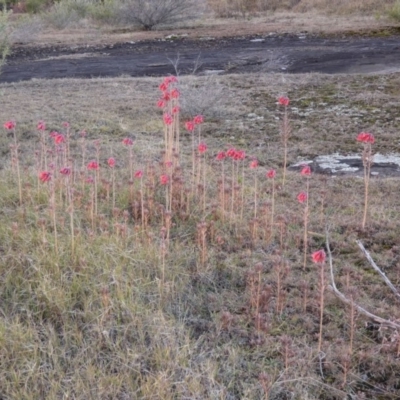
341 296
378 270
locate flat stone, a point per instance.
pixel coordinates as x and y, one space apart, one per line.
336 164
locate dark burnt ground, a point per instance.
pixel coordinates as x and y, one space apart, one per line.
274 53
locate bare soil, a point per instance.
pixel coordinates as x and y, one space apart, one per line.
287 52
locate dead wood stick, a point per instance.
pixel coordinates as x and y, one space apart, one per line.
342 297
378 270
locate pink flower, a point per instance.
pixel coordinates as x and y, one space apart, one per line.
170 79
44 176
59 138
175 93
163 86
168 164
93 165
175 110
41 126
283 101
189 125
253 164
302 197
271 174
111 162
306 170
138 174
161 103
202 148
166 96
366 137
231 152
127 141
221 156
89 179
65 171
318 257
65 124
164 179
9 125
198 119
239 155
167 119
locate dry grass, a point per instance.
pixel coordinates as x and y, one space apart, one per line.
94 324
311 16
341 7
331 108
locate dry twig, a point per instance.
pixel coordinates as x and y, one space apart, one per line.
378 270
342 297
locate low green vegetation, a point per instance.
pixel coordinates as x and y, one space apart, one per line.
394 11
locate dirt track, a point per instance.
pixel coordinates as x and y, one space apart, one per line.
272 53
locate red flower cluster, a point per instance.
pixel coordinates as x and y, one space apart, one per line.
161 103
41 126
93 165
164 179
138 174
235 154
111 162
202 148
9 125
318 257
166 82
167 95
189 125
59 138
302 197
283 101
271 174
253 164
65 171
366 137
198 119
168 119
221 156
305 171
175 93
127 141
44 176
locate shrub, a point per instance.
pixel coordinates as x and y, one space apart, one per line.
206 98
150 14
26 29
106 12
35 6
66 13
394 11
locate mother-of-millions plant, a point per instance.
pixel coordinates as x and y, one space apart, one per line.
285 132
367 139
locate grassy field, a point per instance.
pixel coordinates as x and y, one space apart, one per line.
180 274
202 293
